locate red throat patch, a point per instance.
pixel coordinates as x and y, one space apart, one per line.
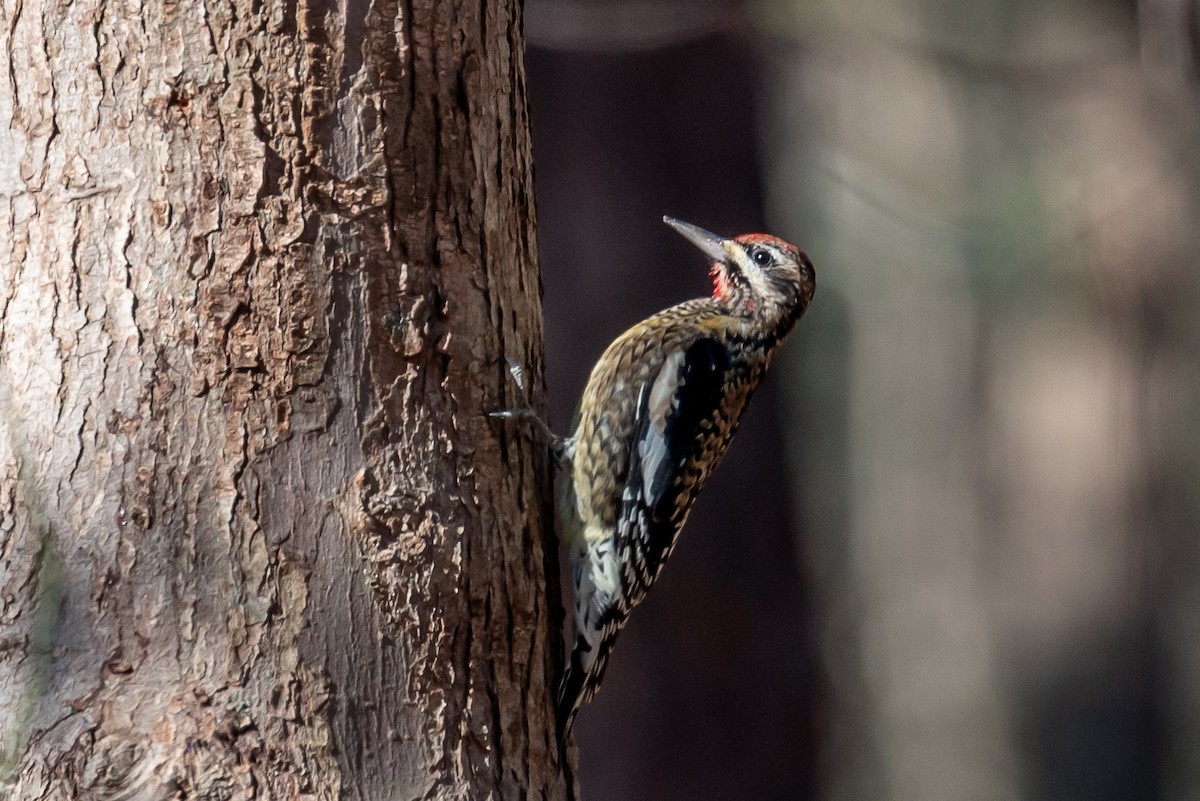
720 279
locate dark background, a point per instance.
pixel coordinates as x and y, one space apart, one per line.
952 551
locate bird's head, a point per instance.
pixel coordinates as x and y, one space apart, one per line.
755 274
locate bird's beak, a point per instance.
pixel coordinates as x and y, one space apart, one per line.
712 245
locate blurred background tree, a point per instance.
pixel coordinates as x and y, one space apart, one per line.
953 553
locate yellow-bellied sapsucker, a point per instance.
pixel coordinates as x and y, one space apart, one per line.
658 413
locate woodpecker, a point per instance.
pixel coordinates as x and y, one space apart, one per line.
657 415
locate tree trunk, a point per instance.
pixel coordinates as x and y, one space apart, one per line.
257 537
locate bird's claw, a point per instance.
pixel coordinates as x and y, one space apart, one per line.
525 410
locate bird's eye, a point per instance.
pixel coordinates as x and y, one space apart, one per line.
761 257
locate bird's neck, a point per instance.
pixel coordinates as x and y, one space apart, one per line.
767 322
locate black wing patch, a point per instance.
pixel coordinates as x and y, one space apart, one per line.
675 424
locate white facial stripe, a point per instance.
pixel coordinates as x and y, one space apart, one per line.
752 272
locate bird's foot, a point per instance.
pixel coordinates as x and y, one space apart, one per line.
559 446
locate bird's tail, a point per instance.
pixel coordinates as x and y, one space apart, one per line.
571 693
581 681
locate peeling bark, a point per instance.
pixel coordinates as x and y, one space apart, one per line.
257 537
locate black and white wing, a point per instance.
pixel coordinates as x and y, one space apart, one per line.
682 424
681 420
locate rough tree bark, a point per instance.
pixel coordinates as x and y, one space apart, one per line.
257 538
